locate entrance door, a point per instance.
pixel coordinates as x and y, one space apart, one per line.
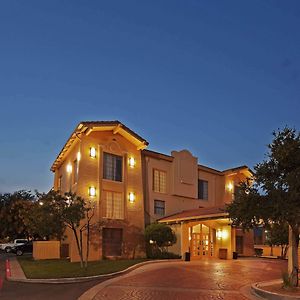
205 241
112 241
196 245
202 242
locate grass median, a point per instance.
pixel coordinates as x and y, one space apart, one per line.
63 268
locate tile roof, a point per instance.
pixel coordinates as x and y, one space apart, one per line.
196 214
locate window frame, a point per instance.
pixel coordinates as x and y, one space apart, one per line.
159 190
201 191
159 208
113 211
114 176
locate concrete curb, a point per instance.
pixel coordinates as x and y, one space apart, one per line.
258 290
89 278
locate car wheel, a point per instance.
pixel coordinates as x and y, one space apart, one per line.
19 252
7 249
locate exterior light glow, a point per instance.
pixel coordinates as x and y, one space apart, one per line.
78 156
93 152
131 197
222 234
92 191
219 234
41 203
230 187
131 162
151 242
69 168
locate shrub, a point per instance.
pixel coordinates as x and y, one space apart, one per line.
258 251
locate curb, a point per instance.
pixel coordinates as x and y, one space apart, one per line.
258 290
89 278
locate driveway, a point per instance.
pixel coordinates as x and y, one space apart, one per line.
205 279
33 291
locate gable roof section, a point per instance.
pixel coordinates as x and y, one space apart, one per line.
203 213
87 127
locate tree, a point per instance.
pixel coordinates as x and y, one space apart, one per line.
160 236
278 235
15 209
77 215
274 197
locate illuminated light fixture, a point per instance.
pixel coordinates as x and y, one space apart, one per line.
222 234
230 187
69 168
219 234
131 197
93 152
131 162
78 156
92 191
41 203
151 242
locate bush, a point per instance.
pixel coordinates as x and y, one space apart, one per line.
157 254
258 251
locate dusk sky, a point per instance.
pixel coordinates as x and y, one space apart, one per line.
213 77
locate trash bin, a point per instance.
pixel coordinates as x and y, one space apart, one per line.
234 255
187 256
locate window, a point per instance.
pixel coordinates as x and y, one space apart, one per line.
75 171
159 181
59 184
202 189
114 208
112 167
159 207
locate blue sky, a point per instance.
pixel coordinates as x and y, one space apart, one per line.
214 77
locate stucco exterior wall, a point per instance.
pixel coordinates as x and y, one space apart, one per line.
90 173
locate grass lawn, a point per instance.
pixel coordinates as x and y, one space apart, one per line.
62 268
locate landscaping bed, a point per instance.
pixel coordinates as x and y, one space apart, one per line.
63 268
278 288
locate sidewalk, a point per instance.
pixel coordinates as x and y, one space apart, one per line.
16 270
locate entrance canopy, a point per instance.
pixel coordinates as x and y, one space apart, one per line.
199 214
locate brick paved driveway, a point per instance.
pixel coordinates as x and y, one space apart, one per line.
206 279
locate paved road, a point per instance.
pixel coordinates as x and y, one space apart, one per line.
29 291
213 280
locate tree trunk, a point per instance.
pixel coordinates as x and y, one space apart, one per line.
87 245
293 255
78 247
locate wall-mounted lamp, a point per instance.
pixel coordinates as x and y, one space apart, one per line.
69 168
131 197
93 152
230 187
92 191
222 234
131 162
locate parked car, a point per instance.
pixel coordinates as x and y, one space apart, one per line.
25 248
8 246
